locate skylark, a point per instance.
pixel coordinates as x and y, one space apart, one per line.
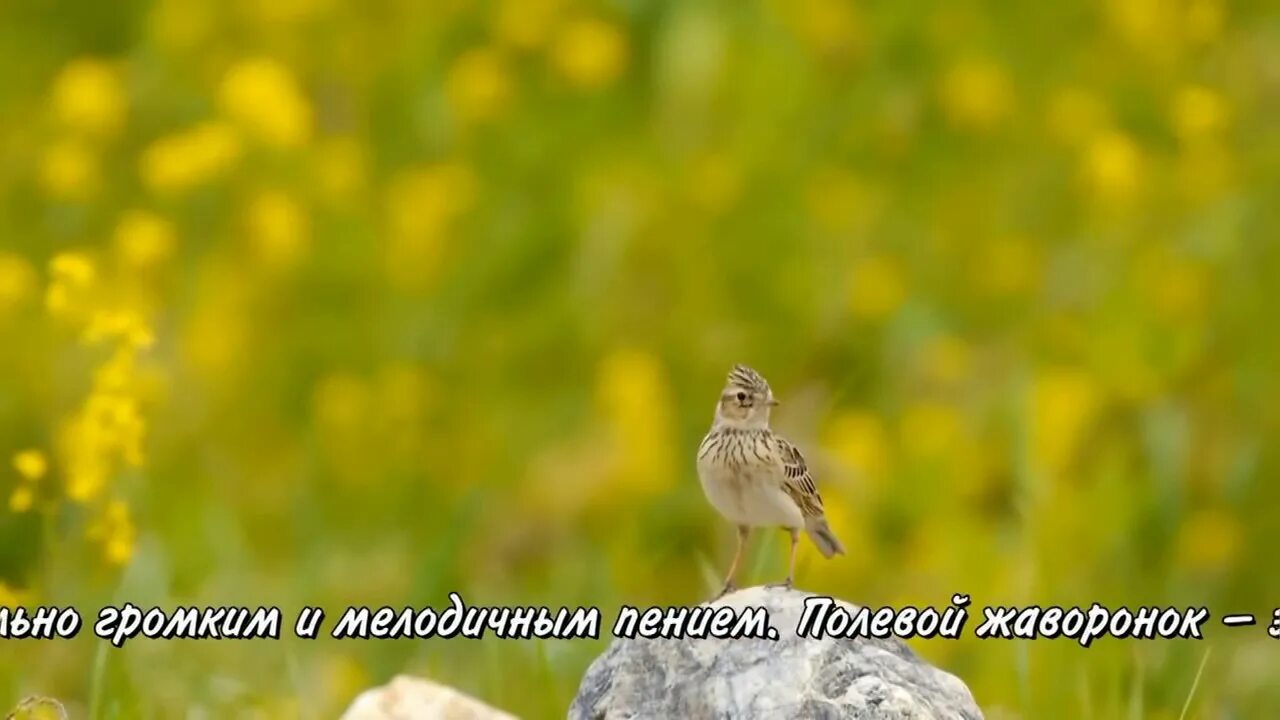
755 478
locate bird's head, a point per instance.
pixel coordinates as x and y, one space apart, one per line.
746 400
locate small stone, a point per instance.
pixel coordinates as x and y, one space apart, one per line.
409 698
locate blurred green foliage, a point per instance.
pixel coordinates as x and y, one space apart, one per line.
313 303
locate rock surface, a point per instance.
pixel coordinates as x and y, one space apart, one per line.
791 677
408 698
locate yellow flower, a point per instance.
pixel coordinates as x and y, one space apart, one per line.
420 206
114 531
479 85
341 403
590 53
631 389
186 159
69 170
1076 115
72 276
22 498
72 267
1064 403
125 326
830 28
878 288
1198 112
31 464
143 239
88 96
278 227
17 281
1113 167
858 440
1147 25
976 94
525 24
263 96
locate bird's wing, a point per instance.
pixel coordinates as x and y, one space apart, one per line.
796 480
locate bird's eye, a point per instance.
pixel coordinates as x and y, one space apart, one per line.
742 397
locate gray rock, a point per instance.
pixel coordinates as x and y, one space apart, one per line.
868 679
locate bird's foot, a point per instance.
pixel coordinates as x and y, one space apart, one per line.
785 584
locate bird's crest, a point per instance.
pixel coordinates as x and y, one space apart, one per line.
744 377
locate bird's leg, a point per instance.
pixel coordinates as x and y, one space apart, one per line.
743 532
791 565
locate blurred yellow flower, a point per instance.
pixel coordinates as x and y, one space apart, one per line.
1198 112
17 281
114 531
830 28
31 464
632 393
88 96
1076 115
183 160
479 85
1150 26
420 206
22 498
857 439
976 94
69 170
341 402
263 96
1064 403
877 289
590 53
525 24
143 239
72 276
1113 167
278 228
127 327
1209 540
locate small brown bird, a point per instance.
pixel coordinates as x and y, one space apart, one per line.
755 478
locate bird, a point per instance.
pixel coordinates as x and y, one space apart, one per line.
756 478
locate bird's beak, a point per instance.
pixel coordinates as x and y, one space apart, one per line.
773 403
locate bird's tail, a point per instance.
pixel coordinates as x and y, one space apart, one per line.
821 535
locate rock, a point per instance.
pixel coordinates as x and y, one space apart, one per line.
788 678
408 698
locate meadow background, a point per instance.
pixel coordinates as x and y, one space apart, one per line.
316 303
